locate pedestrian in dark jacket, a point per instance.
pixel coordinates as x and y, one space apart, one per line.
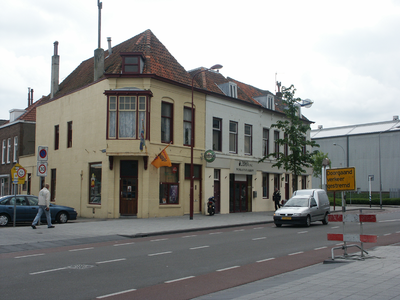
276 197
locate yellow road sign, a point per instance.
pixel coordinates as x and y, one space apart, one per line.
18 174
342 179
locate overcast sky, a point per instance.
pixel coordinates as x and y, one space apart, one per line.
343 55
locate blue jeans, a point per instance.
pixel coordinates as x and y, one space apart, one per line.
42 208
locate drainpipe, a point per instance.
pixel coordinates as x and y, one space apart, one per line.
55 70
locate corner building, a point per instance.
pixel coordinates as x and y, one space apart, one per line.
103 131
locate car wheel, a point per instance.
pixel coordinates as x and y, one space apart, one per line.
4 220
325 220
308 221
278 225
62 217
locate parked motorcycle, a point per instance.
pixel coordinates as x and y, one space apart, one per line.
211 206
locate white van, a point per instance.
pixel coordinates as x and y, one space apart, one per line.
304 207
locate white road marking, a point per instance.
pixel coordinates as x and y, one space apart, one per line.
320 248
387 234
48 271
257 228
81 249
296 253
124 244
237 230
334 227
179 279
230 268
158 240
267 259
260 238
114 294
188 236
32 255
383 221
109 261
160 253
301 232
219 232
201 247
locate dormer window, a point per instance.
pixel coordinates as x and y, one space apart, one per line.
229 89
266 101
132 63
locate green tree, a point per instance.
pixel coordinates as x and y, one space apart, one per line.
295 133
318 157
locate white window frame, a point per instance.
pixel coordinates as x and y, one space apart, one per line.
248 139
233 137
3 153
15 148
8 150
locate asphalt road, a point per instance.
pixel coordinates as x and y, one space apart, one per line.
189 264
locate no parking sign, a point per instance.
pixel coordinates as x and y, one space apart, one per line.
42 153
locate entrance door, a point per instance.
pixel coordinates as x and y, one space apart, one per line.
239 197
128 201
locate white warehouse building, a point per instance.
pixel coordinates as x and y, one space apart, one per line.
373 149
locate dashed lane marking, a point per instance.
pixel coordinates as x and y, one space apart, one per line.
226 269
115 294
200 247
32 255
179 279
264 260
160 253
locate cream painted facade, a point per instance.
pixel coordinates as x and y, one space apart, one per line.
253 183
87 110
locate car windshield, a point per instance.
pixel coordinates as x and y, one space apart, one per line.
297 202
303 193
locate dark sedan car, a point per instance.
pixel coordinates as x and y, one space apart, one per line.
27 208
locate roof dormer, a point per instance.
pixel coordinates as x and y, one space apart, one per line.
132 62
266 101
229 89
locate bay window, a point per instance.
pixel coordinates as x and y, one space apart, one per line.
127 114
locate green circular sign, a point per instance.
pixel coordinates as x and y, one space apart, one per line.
209 156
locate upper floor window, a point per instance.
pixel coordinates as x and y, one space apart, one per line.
127 115
233 126
3 153
232 90
270 102
276 143
248 136
187 126
132 63
217 134
8 150
286 146
69 134
15 148
56 137
265 144
166 122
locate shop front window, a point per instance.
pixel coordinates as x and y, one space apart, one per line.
95 183
169 185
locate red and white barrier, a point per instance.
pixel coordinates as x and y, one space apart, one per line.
351 218
360 238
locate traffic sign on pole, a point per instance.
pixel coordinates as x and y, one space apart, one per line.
42 169
42 153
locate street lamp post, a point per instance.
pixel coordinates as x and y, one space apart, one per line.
344 159
215 67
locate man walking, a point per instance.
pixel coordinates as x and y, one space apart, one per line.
276 197
44 206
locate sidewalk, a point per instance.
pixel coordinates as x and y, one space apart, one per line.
375 278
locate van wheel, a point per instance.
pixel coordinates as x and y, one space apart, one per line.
325 220
308 221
